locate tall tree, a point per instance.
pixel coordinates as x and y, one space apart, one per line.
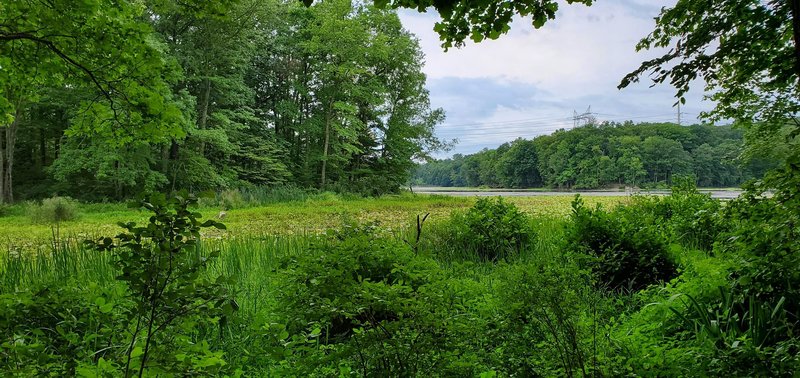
97 44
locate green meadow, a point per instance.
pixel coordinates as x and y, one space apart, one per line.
328 285
305 215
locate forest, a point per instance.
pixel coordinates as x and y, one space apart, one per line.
608 155
211 189
271 93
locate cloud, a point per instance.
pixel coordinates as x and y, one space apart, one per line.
477 98
573 62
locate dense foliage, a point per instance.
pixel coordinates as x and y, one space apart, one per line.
675 286
493 229
248 93
624 252
162 297
611 292
608 154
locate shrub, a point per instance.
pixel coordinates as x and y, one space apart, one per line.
231 199
364 303
54 210
277 194
51 332
687 216
545 306
740 320
492 228
368 186
625 254
764 240
169 293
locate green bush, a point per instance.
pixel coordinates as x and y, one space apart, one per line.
687 216
764 240
733 313
368 186
624 253
54 210
363 303
231 199
543 328
492 228
167 287
56 332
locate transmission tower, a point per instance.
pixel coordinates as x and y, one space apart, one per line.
584 118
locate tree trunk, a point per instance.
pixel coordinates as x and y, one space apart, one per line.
201 123
174 150
7 159
56 147
118 181
165 159
2 166
327 142
42 149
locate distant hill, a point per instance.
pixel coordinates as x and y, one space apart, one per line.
605 155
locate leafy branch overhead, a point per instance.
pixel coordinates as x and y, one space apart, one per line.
100 45
745 51
477 19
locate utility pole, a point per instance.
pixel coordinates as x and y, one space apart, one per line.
679 114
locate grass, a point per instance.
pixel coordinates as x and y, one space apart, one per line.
260 237
18 234
256 239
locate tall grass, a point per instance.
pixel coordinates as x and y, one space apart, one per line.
63 261
251 261
259 196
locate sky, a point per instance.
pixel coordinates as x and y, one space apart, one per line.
530 81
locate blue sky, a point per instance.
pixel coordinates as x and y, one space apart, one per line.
529 82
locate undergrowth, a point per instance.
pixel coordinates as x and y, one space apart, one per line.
493 291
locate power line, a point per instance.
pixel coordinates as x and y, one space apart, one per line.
478 134
503 128
550 118
506 128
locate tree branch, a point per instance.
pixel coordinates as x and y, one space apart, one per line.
52 47
795 5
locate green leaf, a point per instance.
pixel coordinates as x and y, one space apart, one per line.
137 352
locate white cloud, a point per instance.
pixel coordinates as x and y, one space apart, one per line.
583 46
574 61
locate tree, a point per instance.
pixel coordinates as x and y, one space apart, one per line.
592 157
518 166
747 51
98 44
462 19
403 124
664 157
631 168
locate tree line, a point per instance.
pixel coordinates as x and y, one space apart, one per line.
209 96
605 155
